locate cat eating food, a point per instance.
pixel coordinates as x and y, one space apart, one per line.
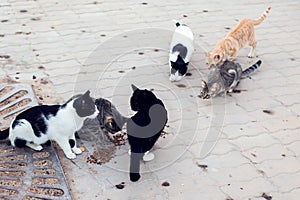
224 78
40 124
181 50
237 38
111 121
144 128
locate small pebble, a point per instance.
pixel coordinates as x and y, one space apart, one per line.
267 197
181 85
120 186
268 112
165 184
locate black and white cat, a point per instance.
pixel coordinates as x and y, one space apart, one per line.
39 124
144 128
224 78
181 50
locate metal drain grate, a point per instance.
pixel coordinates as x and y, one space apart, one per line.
13 100
26 174
29 175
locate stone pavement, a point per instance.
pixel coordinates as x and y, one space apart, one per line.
243 146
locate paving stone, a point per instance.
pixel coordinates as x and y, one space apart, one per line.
248 189
261 140
94 45
271 152
278 166
289 184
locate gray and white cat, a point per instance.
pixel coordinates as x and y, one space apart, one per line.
224 78
181 50
40 124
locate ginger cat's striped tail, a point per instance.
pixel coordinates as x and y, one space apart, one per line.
262 17
251 69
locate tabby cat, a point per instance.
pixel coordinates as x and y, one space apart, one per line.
181 50
224 78
144 128
111 121
237 38
39 124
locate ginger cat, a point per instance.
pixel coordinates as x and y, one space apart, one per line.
237 38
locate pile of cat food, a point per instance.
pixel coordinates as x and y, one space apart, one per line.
164 132
101 155
118 138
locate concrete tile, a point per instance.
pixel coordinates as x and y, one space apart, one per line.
245 143
289 195
274 167
249 189
289 184
271 152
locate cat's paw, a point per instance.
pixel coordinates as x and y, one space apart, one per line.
148 156
76 150
134 177
250 55
35 147
71 155
38 148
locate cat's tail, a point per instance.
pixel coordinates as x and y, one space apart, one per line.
251 69
262 17
4 134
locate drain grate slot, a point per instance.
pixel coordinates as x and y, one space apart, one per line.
13 100
26 174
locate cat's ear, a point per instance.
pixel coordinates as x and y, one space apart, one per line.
86 94
203 84
217 57
134 88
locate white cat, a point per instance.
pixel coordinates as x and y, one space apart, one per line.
39 124
181 50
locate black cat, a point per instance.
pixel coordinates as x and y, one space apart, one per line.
144 128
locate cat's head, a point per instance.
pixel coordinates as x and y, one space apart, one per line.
208 92
178 68
141 99
215 58
85 106
109 117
